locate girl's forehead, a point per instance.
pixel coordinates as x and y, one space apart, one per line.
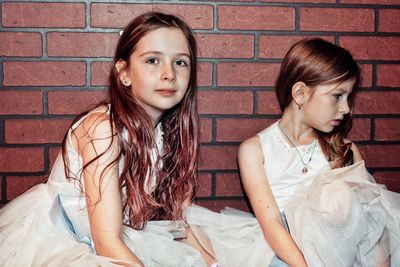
341 87
168 40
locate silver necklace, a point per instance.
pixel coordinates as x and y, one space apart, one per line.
305 164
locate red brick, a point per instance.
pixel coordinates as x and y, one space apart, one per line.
372 47
51 15
276 46
53 154
196 16
25 131
366 75
389 20
217 205
49 73
387 130
238 130
74 102
256 18
204 185
336 19
228 184
267 103
206 130
247 74
81 44
100 72
21 102
225 45
118 15
21 159
377 103
204 74
361 130
225 102
17 185
20 44
373 2
218 157
388 75
381 155
390 179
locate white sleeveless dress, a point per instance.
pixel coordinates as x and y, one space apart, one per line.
48 226
338 218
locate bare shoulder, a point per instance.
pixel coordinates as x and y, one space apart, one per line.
95 129
250 151
250 146
95 125
356 152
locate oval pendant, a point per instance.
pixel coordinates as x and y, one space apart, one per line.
304 170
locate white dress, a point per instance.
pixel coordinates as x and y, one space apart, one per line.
48 226
337 217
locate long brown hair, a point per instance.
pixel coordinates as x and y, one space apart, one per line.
315 62
131 126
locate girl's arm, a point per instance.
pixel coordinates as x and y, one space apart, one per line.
255 182
103 198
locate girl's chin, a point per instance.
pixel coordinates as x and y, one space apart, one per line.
326 129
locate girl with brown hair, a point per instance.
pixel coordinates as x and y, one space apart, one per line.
127 168
307 184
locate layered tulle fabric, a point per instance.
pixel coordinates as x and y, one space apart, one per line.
33 232
234 237
28 236
342 219
345 219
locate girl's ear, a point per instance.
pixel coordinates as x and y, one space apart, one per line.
123 72
299 94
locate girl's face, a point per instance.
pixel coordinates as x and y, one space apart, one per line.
159 70
327 105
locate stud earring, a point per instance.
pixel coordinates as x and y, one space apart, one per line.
126 82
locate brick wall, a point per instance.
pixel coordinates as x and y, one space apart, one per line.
55 56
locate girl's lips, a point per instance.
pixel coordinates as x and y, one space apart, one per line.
336 122
166 92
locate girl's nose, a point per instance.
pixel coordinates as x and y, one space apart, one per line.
344 108
168 73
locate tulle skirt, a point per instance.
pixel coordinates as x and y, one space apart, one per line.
34 232
345 219
341 219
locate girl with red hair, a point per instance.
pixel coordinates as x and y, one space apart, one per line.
127 168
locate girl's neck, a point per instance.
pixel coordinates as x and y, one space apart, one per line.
295 129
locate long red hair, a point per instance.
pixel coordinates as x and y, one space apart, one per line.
315 62
131 126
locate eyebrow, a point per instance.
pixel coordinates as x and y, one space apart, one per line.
159 53
340 90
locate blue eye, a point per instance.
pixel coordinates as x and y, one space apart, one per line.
181 63
152 61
